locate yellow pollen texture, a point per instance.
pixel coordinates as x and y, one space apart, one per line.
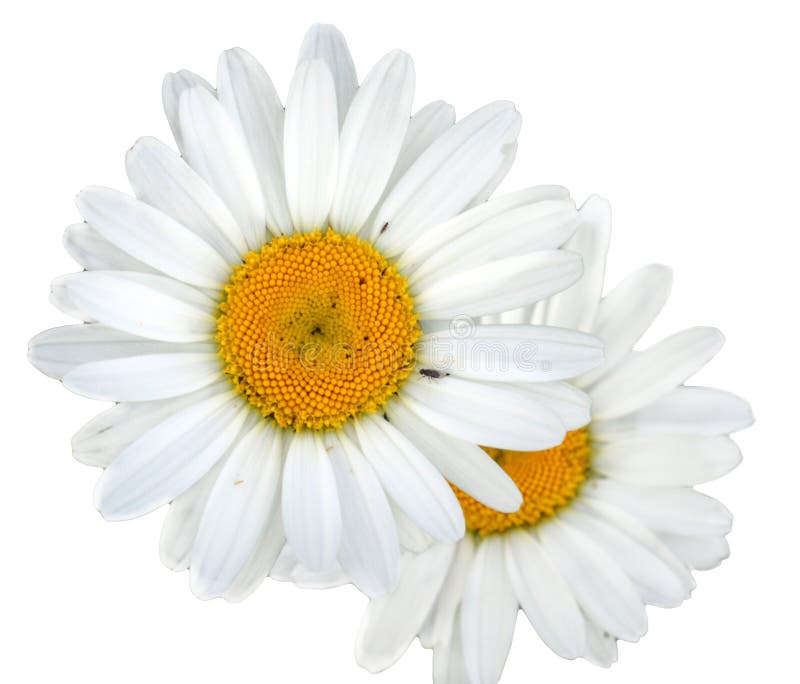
547 480
316 328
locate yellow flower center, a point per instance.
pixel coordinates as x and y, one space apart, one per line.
547 479
316 328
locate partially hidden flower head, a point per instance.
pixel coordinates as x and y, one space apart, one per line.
260 311
610 520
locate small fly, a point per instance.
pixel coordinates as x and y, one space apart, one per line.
432 373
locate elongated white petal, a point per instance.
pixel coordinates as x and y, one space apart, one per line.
488 613
695 410
391 622
169 458
426 125
183 520
666 460
544 596
173 87
311 145
441 623
371 138
163 180
436 238
152 237
509 155
543 225
662 579
571 405
215 148
261 561
238 510
697 551
411 536
92 251
645 376
491 415
448 659
410 479
498 285
326 43
626 312
248 96
100 441
601 647
142 304
576 307
370 551
600 586
510 353
446 177
144 377
58 351
310 502
671 510
464 464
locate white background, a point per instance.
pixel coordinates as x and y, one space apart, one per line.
685 115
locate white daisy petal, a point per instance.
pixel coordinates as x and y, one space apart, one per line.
326 43
183 520
498 285
371 138
238 510
670 510
152 237
696 410
662 580
173 87
539 226
100 441
601 647
163 180
464 464
311 145
448 660
441 624
409 534
488 613
258 566
666 460
248 96
698 552
510 353
544 596
169 458
509 155
391 622
600 586
310 502
92 251
436 238
576 307
410 479
215 148
446 177
58 351
142 304
626 312
571 405
144 377
426 125
647 375
494 415
370 551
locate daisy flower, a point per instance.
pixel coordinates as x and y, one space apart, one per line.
610 520
257 312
